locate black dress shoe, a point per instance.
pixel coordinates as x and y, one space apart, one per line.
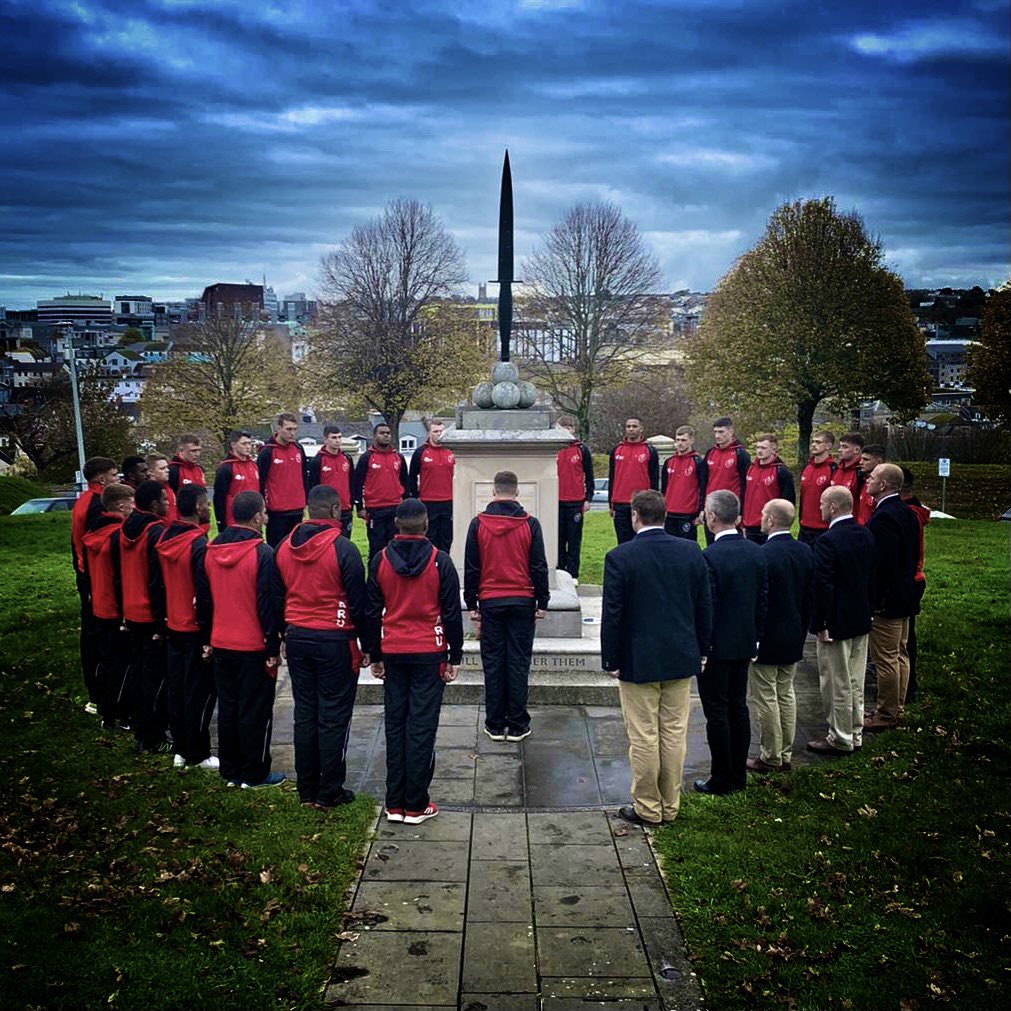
629 814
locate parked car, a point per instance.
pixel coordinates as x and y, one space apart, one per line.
600 490
44 505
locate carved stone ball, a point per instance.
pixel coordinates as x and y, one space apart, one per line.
505 395
527 394
504 372
483 396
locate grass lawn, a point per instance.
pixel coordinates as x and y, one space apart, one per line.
123 882
882 880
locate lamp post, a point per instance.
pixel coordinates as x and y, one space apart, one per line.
72 362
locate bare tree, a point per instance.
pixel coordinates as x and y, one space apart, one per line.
588 315
387 334
658 397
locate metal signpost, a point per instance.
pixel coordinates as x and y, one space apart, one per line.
943 470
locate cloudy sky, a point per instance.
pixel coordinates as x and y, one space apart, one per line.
155 146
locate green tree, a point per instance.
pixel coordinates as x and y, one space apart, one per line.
809 317
132 335
989 369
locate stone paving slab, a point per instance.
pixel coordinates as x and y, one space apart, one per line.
499 958
499 892
417 861
573 866
413 905
586 906
611 952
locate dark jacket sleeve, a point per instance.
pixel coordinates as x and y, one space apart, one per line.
374 604
94 513
405 481
588 473
414 474
305 469
610 475
155 583
312 472
654 467
358 478
449 606
222 481
349 561
786 489
713 578
702 472
612 631
173 476
703 606
268 592
471 567
205 602
761 599
743 463
665 476
263 466
824 584
538 565
807 594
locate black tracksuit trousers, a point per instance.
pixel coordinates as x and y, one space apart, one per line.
380 528
245 714
145 685
570 536
191 696
723 689
623 529
680 525
112 646
89 639
440 524
280 524
507 644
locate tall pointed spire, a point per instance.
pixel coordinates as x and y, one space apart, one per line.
505 260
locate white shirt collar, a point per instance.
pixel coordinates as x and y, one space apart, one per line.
725 533
643 530
885 498
777 533
839 519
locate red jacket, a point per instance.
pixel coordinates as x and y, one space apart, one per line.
922 513
333 470
684 484
814 479
852 477
183 473
633 466
172 513
411 620
310 569
282 472
865 504
83 517
431 473
232 476
380 479
180 550
765 481
727 469
139 570
231 573
575 473
102 568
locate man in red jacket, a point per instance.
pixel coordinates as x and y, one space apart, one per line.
727 464
184 467
431 479
143 615
102 572
575 493
158 470
331 466
870 456
237 472
505 588
848 474
237 595
633 466
381 482
814 479
767 478
282 467
189 674
683 484
922 514
415 639
134 470
99 473
322 583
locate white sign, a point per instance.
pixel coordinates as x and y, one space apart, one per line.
944 467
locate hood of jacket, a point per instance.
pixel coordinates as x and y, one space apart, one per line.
409 555
136 523
306 545
501 518
177 540
234 544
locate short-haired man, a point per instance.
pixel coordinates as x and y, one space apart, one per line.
282 468
727 464
184 467
322 583
655 628
738 585
416 644
841 619
99 473
574 466
158 470
683 483
896 533
101 566
789 566
237 472
922 513
430 479
814 479
332 467
134 470
505 589
189 675
848 474
144 616
237 595
633 465
380 484
870 456
767 478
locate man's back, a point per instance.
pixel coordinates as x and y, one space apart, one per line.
739 588
790 569
896 533
844 580
656 608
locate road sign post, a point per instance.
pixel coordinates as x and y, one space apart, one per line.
943 471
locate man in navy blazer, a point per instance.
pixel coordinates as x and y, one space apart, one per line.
654 630
790 568
739 588
843 587
896 533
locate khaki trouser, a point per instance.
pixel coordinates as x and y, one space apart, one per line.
889 642
775 705
656 721
842 665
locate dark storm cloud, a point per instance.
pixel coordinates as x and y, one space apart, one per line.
159 146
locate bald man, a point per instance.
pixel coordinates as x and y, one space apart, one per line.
790 568
896 533
844 562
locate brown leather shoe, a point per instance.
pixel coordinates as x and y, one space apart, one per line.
826 747
758 765
875 723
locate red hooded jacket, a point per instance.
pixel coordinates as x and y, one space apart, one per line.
179 552
852 477
101 567
380 479
814 479
183 473
727 468
83 517
765 481
282 470
684 484
139 570
632 467
575 473
431 473
333 470
232 476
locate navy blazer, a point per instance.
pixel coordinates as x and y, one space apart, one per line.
896 533
790 568
740 591
844 569
656 609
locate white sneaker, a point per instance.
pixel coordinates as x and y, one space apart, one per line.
521 736
211 763
178 762
417 817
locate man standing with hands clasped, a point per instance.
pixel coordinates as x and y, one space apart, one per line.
654 630
633 466
380 485
574 465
